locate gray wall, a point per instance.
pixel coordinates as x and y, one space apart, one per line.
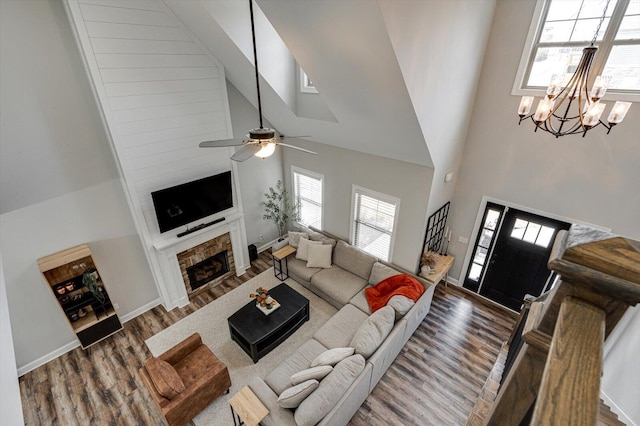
594 179
343 168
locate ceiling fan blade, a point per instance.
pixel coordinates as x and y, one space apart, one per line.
221 143
296 147
245 152
294 137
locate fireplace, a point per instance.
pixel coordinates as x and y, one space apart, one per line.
208 270
208 263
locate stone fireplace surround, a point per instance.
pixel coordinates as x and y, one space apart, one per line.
171 285
193 256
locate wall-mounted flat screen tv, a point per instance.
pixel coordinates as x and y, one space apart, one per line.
183 204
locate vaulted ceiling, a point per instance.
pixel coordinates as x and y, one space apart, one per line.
364 62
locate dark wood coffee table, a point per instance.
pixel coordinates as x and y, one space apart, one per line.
257 333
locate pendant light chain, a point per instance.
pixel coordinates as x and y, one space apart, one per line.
604 14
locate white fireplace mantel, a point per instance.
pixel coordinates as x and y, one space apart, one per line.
172 288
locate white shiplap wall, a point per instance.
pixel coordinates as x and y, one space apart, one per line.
161 93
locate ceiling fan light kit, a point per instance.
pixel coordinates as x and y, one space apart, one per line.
261 141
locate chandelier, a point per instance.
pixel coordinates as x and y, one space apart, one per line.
569 106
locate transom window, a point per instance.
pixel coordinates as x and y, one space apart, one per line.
567 26
307 193
374 222
532 232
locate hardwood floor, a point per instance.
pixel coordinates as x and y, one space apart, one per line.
436 379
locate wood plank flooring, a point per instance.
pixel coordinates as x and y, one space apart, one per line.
436 379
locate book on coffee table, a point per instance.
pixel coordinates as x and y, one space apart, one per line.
266 311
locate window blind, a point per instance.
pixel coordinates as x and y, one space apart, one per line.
308 194
373 225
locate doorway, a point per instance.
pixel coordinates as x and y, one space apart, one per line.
510 255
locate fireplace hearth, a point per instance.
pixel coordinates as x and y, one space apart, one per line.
208 270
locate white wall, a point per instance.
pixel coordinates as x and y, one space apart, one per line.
10 404
63 187
97 216
621 365
343 168
592 179
440 47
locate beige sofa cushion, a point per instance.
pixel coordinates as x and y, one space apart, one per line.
316 236
380 271
317 373
293 396
360 301
338 284
319 256
332 356
401 305
338 331
299 268
303 248
373 331
331 389
353 259
294 237
280 377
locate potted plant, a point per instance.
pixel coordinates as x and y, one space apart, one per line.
279 208
90 280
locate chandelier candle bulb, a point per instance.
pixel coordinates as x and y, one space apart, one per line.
592 117
544 109
525 105
600 87
618 112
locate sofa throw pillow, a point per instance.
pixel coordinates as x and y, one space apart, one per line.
317 373
303 248
332 356
380 271
319 256
293 396
317 236
317 405
373 331
165 378
294 237
400 304
353 259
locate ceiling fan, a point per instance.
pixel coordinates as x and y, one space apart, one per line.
261 141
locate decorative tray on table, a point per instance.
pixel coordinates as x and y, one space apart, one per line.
266 311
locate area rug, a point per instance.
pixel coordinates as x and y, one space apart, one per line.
211 322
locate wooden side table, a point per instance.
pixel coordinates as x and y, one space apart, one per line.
246 408
282 272
441 270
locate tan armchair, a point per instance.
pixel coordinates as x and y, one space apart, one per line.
185 380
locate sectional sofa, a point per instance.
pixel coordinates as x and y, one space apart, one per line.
339 395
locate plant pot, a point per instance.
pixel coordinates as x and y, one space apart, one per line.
280 243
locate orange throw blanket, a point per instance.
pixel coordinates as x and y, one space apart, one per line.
396 285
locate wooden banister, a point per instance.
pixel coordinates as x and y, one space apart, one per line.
555 378
570 387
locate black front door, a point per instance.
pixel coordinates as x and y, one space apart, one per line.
518 264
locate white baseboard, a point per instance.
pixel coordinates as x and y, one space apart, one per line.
267 245
141 310
47 357
453 281
72 345
621 416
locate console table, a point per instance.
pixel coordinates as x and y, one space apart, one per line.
282 273
441 270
